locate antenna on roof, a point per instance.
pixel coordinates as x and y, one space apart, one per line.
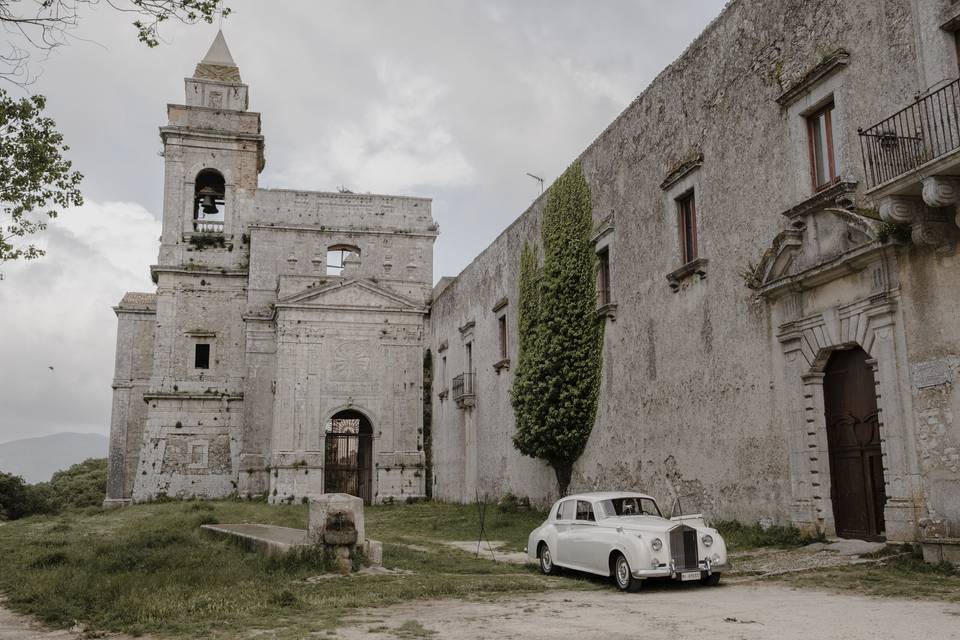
538 179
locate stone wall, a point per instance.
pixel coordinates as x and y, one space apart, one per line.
690 403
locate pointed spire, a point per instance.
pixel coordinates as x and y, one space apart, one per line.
218 64
219 53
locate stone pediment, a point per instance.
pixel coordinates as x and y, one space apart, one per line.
816 243
354 294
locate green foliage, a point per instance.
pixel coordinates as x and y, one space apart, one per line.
203 240
35 179
896 231
739 536
558 375
427 434
19 499
82 485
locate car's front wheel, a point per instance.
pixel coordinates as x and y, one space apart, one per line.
546 560
622 575
711 580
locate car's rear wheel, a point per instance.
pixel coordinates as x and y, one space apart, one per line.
711 580
622 574
546 560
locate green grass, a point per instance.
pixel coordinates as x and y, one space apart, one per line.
903 574
151 569
741 537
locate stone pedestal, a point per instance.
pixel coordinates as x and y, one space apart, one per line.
337 519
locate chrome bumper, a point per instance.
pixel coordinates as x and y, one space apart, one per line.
669 571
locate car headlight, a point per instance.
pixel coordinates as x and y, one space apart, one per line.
715 559
707 540
657 544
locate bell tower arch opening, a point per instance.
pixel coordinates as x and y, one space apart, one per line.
853 438
348 455
209 201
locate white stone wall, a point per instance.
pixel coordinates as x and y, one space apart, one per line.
289 344
696 397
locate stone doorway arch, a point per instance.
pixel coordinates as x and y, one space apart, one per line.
348 455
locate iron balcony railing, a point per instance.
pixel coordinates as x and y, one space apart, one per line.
926 130
463 387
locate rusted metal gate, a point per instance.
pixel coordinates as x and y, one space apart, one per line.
348 456
853 436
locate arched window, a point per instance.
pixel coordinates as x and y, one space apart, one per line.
208 201
340 256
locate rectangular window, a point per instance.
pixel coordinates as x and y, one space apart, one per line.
502 327
201 356
469 354
567 510
687 212
603 277
443 371
823 169
585 511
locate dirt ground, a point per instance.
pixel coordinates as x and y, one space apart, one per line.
670 611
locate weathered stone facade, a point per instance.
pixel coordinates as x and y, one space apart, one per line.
714 368
285 324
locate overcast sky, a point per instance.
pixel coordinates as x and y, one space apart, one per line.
454 100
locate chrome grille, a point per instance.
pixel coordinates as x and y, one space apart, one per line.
683 548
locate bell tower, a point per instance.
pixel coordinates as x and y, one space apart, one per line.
213 154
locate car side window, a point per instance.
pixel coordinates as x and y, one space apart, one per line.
585 511
566 510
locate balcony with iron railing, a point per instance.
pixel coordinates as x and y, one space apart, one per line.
911 160
463 391
926 131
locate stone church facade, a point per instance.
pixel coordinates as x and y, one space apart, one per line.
282 352
776 232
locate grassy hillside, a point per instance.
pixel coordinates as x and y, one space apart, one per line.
150 568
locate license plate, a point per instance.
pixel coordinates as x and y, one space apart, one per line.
690 575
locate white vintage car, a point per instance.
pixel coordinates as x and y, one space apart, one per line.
625 535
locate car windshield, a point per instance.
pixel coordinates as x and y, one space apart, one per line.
627 507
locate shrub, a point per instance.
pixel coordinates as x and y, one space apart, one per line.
19 499
82 485
747 536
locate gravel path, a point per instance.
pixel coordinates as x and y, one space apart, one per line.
666 612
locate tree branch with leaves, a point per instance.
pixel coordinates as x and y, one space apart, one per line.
35 179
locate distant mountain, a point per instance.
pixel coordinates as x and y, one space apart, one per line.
36 459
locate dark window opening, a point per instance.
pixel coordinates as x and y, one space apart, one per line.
823 170
603 277
209 204
687 210
585 511
502 330
201 356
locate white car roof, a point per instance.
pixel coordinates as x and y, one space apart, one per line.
606 495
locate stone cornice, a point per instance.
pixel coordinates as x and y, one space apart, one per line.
842 265
828 66
682 170
346 230
841 195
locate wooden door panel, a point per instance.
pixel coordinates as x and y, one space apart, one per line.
853 437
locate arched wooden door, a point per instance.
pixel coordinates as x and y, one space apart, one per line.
348 459
853 436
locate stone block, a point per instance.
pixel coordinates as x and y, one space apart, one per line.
336 519
373 549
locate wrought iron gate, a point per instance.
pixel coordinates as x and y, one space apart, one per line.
348 457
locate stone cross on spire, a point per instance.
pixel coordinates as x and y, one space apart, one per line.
218 64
